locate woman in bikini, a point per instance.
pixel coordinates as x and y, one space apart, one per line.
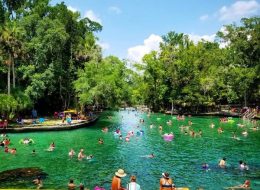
166 182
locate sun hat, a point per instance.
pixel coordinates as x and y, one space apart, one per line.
120 173
165 175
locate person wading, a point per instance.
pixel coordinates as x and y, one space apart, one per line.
116 181
166 182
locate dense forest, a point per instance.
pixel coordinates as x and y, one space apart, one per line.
50 60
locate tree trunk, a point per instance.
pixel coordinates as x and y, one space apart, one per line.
9 76
245 99
172 108
12 62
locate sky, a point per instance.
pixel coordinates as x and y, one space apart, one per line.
133 28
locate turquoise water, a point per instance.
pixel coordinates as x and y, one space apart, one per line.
182 157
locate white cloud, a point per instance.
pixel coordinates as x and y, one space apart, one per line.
104 45
210 38
238 10
204 17
196 38
136 53
92 16
73 9
115 10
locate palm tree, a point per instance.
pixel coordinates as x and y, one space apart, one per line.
11 47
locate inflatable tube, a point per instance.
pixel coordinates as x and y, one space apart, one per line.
168 137
231 121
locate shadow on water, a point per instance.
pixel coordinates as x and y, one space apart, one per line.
20 177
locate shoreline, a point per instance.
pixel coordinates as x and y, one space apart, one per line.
220 114
61 127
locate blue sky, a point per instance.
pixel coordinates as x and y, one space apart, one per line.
132 28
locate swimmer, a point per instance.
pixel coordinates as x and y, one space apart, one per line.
89 157
212 125
38 182
26 141
169 122
245 133
190 123
192 133
52 147
81 154
160 128
200 133
205 166
235 137
6 142
127 139
100 141
13 151
3 135
33 152
104 130
240 125
151 126
148 156
220 130
255 128
222 163
71 153
245 185
243 165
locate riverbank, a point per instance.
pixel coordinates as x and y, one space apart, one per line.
219 114
57 127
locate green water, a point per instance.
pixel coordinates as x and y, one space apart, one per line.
182 157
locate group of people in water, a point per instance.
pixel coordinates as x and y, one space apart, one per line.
165 181
242 164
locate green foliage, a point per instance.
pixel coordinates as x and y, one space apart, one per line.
7 103
102 83
202 75
51 56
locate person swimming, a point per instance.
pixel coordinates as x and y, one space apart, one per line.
205 166
160 128
81 155
71 153
52 147
100 141
243 165
244 133
222 163
127 138
148 156
89 157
